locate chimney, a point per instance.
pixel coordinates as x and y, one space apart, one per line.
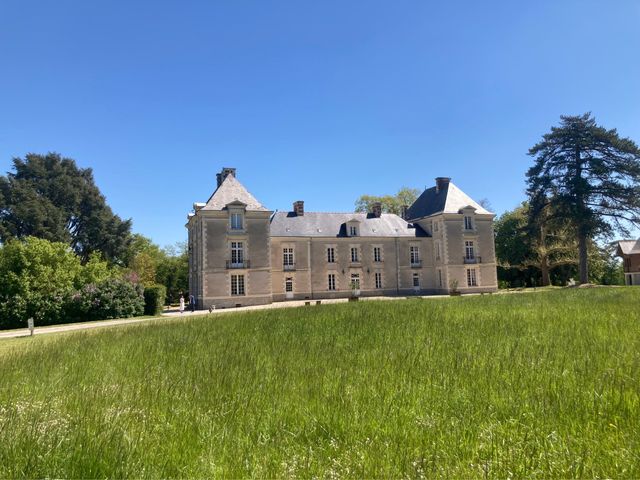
376 209
298 208
442 183
226 171
403 211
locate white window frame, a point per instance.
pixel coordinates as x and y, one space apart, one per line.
472 277
377 254
288 259
355 255
237 253
237 285
331 255
416 280
355 278
468 222
378 280
353 230
288 285
236 221
331 279
469 250
414 254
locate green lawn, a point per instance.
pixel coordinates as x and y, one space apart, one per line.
521 385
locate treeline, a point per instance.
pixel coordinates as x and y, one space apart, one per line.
66 257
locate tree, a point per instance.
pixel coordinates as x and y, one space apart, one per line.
591 176
49 197
390 203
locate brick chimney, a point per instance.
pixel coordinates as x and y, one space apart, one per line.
226 171
376 209
442 183
298 208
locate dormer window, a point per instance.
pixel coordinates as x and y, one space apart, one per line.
237 221
353 231
468 222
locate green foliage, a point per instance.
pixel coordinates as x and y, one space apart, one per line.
536 385
111 298
154 297
390 203
49 197
36 276
591 178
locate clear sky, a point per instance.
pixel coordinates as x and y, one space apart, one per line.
319 101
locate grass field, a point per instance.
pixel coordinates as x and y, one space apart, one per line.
521 385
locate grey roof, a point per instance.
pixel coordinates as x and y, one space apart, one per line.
320 224
449 199
231 190
628 247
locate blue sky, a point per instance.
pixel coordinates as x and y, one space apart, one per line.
320 101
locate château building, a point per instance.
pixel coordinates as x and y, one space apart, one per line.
241 253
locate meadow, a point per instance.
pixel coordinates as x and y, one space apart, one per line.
517 385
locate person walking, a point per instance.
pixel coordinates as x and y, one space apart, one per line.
181 304
192 303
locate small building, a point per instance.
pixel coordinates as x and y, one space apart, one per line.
241 253
629 250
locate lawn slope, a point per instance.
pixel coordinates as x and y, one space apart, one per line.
532 385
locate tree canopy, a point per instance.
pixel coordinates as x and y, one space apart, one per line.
49 197
390 203
590 176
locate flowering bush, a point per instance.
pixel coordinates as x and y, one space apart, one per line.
111 298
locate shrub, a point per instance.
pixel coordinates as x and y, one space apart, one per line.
111 298
154 299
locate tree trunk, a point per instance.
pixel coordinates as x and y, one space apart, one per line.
582 251
544 270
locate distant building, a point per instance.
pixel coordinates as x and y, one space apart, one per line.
629 250
241 253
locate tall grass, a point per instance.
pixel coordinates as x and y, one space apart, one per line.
528 385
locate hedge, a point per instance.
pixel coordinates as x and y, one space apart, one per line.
154 299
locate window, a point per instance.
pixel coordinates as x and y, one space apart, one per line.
332 281
236 221
355 281
469 253
378 280
287 258
437 250
354 255
471 278
468 223
416 280
440 278
414 253
288 285
353 231
237 284
331 255
237 253
377 254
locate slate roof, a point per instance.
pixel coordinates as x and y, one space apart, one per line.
449 199
231 190
320 224
629 247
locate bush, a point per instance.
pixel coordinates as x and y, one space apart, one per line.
154 299
111 298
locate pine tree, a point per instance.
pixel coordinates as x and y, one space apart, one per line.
592 177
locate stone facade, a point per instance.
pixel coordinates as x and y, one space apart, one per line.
241 254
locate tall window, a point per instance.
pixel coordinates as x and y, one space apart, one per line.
468 222
440 278
237 284
377 254
354 254
353 231
378 280
438 250
414 253
355 281
236 221
471 278
416 280
469 252
332 281
287 258
237 253
288 285
331 255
